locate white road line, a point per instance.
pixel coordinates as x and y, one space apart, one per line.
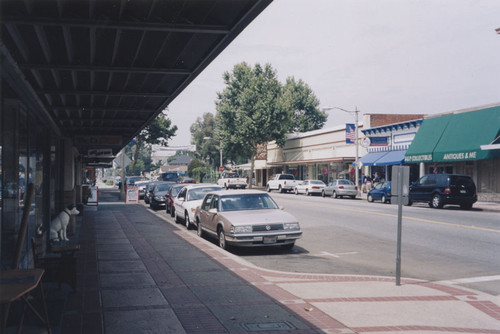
337 255
472 280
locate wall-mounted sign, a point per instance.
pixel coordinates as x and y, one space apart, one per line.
100 153
378 141
97 140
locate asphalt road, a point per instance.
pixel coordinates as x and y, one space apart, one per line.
345 236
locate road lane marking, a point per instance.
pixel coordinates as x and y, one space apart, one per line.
472 227
478 279
337 255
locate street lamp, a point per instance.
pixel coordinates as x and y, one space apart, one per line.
356 112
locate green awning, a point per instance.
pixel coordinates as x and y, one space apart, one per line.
456 137
426 139
465 133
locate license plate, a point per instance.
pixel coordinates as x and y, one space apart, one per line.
463 191
269 240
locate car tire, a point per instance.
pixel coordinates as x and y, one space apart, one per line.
226 187
222 238
296 191
199 231
176 217
409 203
323 193
384 199
172 212
307 192
369 198
187 222
437 201
335 194
280 190
268 189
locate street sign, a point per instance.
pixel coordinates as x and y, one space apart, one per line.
221 168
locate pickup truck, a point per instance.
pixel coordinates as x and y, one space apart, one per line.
281 182
232 180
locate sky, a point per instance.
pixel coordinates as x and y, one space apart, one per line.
379 56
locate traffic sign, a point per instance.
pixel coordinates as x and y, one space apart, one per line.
221 168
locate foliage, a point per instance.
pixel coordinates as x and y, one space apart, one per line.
250 111
197 169
158 132
299 99
202 135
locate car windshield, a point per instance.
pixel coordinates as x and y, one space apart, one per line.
175 191
198 193
247 202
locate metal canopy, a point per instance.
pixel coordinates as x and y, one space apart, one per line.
99 71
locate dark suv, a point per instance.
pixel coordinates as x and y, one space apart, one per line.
441 189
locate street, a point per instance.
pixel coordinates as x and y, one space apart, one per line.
345 236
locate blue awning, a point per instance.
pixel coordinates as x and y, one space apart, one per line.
391 158
370 159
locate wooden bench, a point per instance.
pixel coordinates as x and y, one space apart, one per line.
60 264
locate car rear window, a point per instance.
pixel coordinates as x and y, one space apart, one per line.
286 177
462 181
199 193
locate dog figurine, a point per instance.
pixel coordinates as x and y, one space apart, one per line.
59 224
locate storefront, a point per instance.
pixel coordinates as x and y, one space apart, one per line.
452 143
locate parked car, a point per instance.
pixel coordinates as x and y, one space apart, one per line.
232 180
148 190
142 188
441 189
282 183
170 196
248 218
188 180
158 198
310 187
188 199
131 180
381 192
170 176
340 188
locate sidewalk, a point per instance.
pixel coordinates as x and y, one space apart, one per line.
139 273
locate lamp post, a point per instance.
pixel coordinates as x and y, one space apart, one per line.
356 112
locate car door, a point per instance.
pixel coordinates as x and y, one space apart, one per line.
179 201
204 207
211 221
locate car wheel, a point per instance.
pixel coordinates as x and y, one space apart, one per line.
280 190
172 212
409 203
384 199
323 193
225 186
268 189
369 198
296 191
437 201
288 246
177 220
187 222
307 192
199 231
335 194
222 239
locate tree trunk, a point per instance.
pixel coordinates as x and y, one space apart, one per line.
136 156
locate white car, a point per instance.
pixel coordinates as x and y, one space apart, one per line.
310 187
188 199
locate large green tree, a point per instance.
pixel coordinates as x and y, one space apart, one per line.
203 136
250 112
157 132
298 98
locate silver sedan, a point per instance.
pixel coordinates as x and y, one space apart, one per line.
339 188
246 218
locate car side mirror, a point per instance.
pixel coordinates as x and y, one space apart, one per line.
212 210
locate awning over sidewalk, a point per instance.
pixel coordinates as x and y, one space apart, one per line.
370 159
391 158
456 137
426 139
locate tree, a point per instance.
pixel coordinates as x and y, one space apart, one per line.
158 132
197 169
202 135
249 111
299 99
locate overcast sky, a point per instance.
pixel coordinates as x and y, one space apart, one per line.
381 56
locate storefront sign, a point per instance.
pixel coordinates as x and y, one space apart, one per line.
378 141
460 156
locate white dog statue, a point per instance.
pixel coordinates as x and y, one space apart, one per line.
59 224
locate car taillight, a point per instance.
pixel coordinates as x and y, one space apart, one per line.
447 190
228 181
284 182
388 192
315 187
341 187
356 188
